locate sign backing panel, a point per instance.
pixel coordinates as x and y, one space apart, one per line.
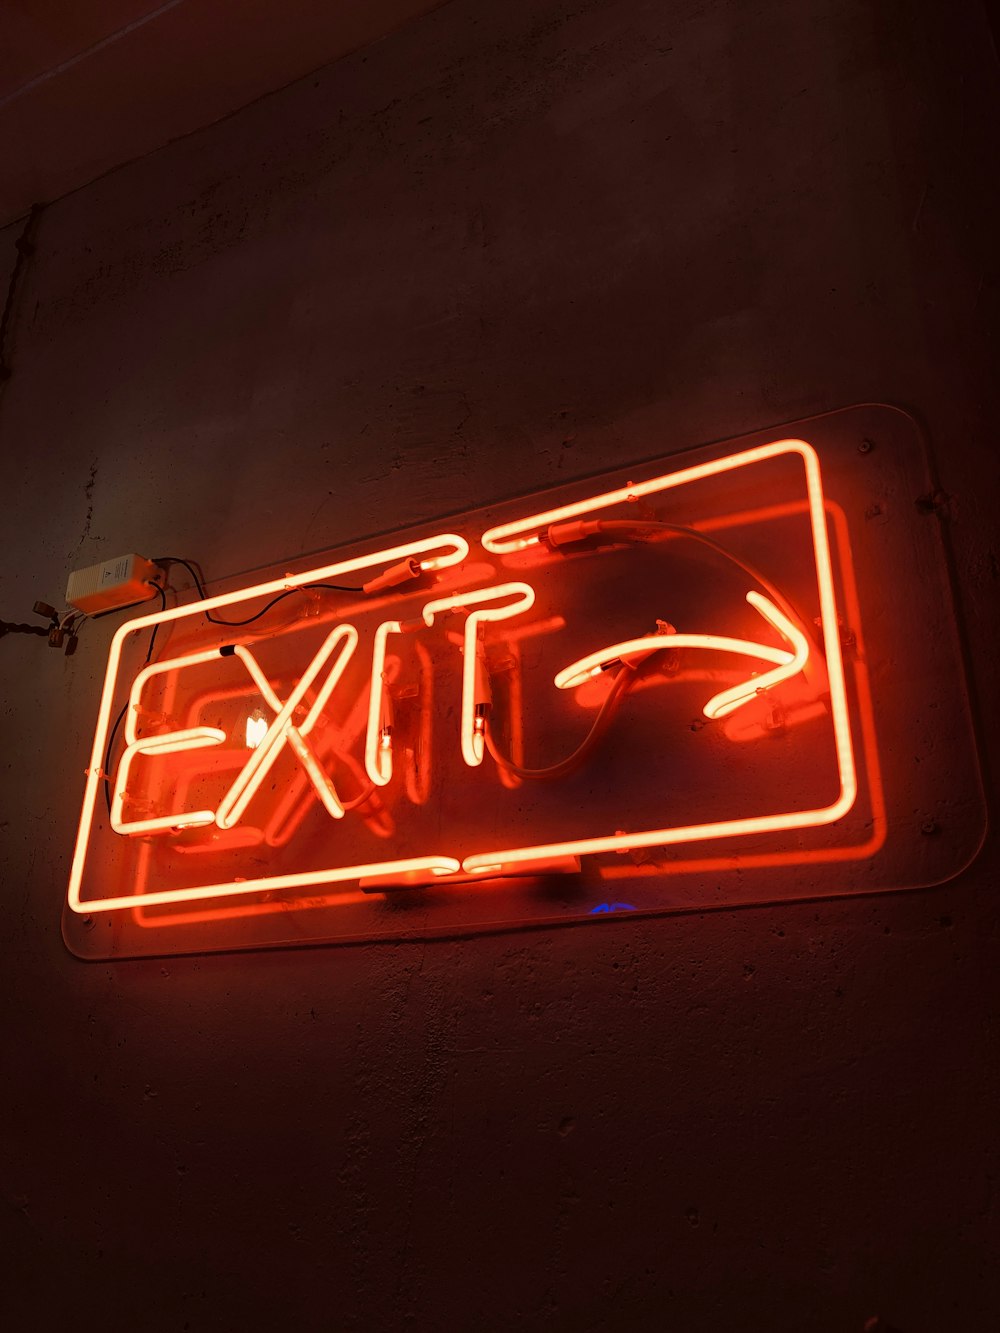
725 676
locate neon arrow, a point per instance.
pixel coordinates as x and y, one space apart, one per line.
788 663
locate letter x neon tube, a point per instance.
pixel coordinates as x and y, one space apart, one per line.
297 735
248 780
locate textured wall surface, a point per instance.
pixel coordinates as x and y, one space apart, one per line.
508 245
88 86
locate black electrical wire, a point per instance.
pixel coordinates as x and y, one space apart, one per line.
9 627
216 620
121 715
152 637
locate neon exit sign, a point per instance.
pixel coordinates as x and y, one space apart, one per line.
645 677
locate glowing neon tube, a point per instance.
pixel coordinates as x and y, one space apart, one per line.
250 777
727 701
170 742
789 663
437 865
474 676
321 780
318 774
378 756
157 669
259 679
619 842
594 663
514 536
173 742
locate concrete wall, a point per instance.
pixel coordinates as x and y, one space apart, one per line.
505 246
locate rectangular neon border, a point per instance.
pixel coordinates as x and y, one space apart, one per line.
500 540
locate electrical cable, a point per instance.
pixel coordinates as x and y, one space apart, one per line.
10 627
72 621
608 710
67 623
216 620
627 527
